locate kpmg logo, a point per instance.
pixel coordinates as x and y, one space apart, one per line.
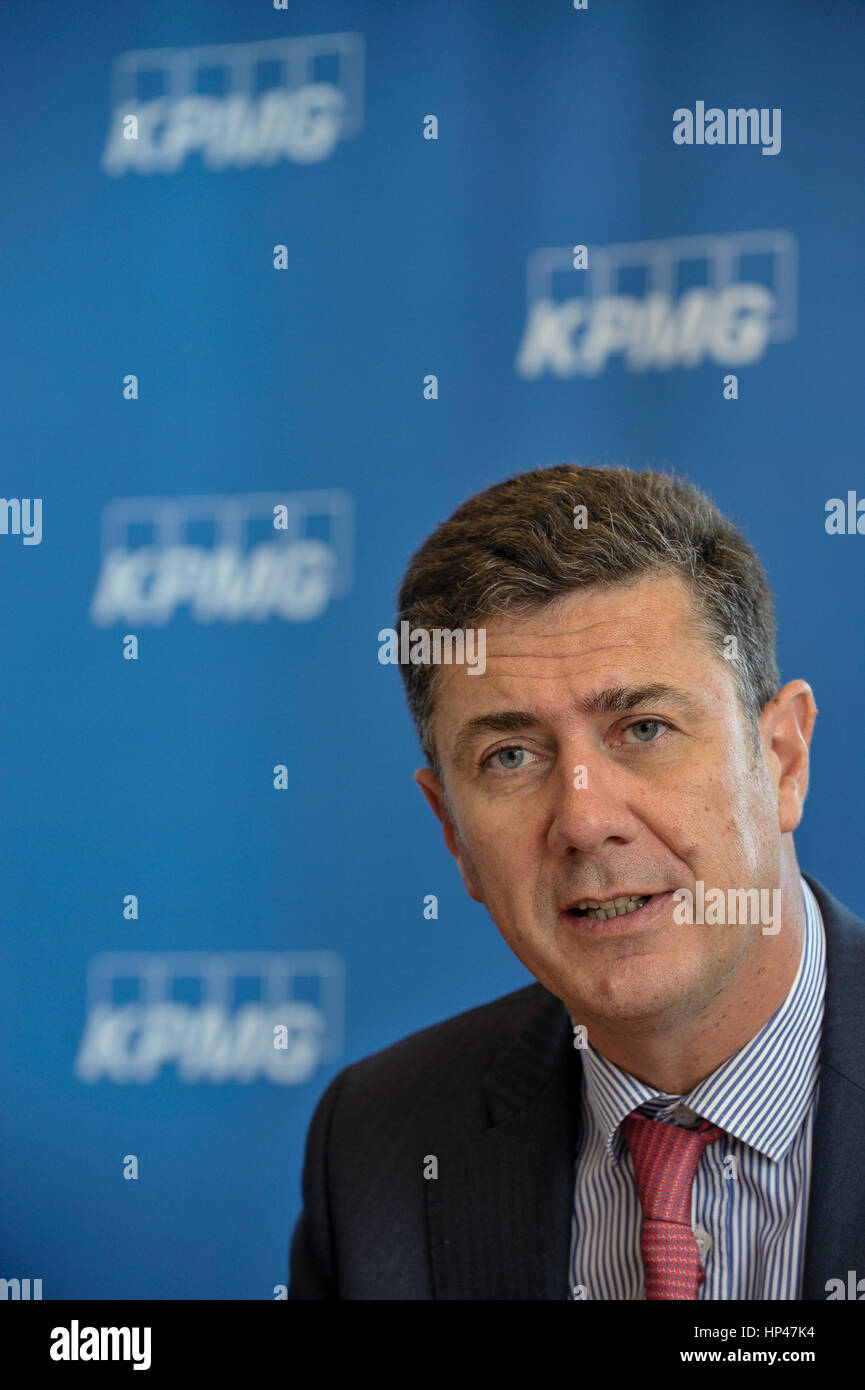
658 304
232 558
219 1016
234 105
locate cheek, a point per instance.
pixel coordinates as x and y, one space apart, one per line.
497 835
725 802
729 826
502 859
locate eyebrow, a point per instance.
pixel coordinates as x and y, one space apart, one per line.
614 699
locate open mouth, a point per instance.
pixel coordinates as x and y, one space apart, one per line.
613 907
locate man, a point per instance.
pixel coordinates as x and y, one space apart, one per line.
676 1110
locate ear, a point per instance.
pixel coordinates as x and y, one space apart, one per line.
434 793
786 726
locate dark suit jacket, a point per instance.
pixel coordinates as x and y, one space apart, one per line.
493 1094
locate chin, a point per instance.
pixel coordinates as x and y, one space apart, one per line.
641 998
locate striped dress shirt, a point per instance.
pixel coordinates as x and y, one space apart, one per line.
750 1194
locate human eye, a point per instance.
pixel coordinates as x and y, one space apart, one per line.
512 758
646 730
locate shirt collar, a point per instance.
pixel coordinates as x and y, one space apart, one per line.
760 1094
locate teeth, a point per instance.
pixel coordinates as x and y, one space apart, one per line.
614 907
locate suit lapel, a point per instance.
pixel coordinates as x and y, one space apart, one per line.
835 1236
499 1215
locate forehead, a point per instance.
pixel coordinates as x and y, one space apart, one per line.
645 632
591 620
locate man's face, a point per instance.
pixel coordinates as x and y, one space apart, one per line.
565 783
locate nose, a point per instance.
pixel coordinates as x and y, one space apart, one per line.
589 809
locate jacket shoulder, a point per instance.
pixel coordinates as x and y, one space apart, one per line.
450 1057
370 1136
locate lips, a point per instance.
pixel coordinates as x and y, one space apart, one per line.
620 905
624 914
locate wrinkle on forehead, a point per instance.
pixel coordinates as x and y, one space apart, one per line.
518 641
496 633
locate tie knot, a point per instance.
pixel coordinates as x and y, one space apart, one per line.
665 1158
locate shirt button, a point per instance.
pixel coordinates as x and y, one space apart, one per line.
684 1117
704 1241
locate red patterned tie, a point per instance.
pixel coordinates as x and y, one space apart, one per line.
665 1158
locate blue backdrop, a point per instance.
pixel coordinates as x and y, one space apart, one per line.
266 323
